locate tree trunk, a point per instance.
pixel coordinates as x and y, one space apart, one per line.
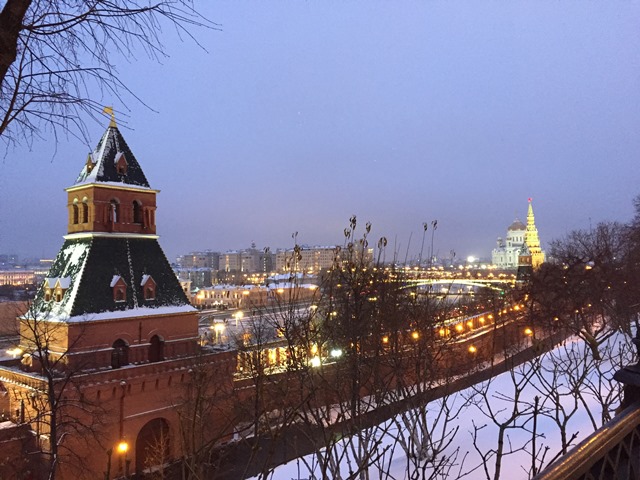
11 19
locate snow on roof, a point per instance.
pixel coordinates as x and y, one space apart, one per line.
52 282
109 150
114 280
129 313
118 156
291 285
73 257
113 184
145 279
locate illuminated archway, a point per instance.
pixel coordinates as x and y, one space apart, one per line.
153 447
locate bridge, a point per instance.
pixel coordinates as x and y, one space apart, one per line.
448 284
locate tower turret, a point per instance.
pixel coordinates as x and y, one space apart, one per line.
532 240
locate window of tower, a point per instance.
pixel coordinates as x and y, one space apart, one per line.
156 349
148 285
137 212
114 211
85 211
121 163
75 215
119 354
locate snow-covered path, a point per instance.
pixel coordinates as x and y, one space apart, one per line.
458 436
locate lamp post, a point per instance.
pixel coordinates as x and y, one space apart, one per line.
107 474
123 446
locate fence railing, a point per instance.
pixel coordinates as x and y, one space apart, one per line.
612 452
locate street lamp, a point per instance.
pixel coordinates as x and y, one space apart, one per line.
123 447
218 328
238 316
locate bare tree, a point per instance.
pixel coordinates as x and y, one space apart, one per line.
54 404
57 57
584 289
504 412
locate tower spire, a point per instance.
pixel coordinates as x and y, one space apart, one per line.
532 240
109 111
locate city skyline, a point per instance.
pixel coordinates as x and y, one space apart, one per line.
301 115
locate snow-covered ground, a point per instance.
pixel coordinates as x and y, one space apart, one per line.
458 436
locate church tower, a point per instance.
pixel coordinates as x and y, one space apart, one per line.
532 240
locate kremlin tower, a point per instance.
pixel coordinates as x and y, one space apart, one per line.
109 346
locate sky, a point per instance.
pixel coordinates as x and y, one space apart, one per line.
296 115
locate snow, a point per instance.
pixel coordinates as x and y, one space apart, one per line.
90 180
423 431
52 282
145 279
118 156
130 313
114 280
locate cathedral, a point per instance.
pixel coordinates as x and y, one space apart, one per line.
521 245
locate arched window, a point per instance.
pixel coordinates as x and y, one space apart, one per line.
156 349
114 211
85 212
119 354
137 212
75 213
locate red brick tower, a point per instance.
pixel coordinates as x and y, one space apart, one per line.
111 340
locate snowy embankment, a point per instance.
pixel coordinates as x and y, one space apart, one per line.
514 424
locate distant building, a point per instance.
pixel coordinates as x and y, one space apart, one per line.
19 277
250 260
310 259
6 260
521 240
198 277
248 296
207 259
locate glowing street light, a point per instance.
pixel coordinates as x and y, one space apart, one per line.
472 349
238 316
218 328
123 447
14 352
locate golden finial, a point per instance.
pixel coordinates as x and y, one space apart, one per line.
109 111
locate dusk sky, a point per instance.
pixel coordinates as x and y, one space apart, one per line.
302 113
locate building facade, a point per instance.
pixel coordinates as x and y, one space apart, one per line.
522 240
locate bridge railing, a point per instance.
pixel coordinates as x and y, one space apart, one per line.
613 451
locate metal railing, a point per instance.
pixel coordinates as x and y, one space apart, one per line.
612 452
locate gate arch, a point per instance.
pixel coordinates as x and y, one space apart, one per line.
153 447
